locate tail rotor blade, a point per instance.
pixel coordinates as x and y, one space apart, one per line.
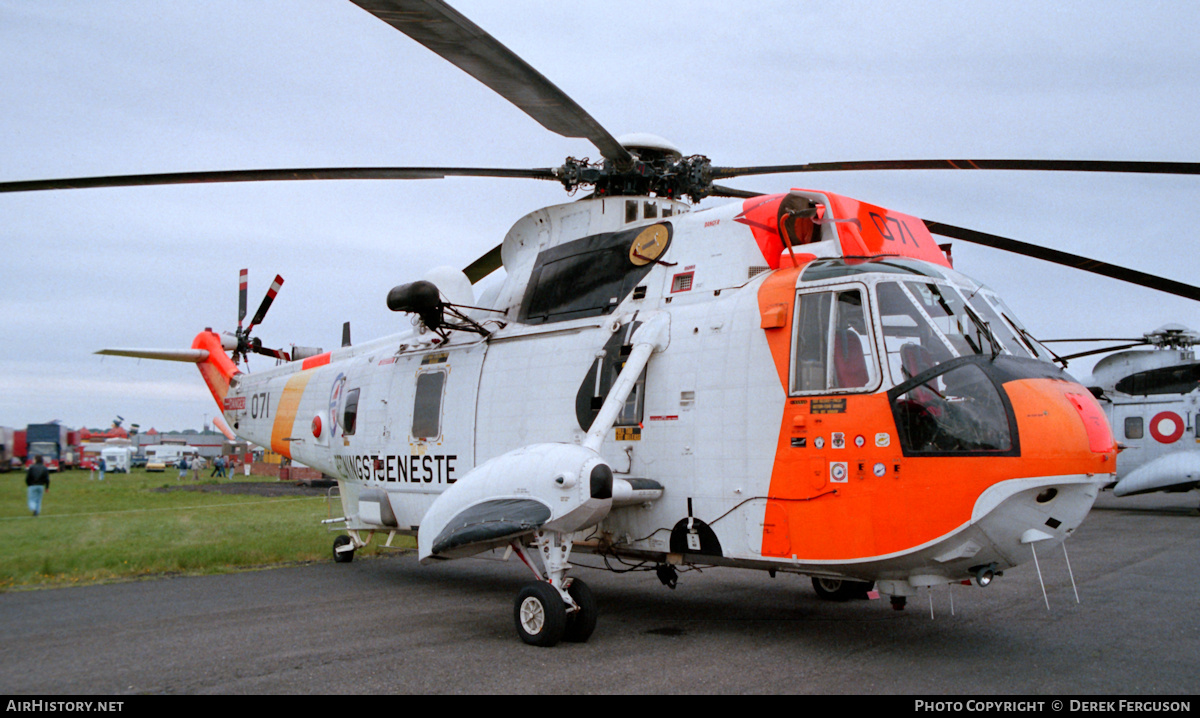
257 347
242 279
266 302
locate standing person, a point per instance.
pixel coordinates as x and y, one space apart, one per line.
38 481
221 468
103 466
197 465
183 467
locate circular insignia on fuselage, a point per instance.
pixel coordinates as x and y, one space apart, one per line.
649 245
1166 427
335 398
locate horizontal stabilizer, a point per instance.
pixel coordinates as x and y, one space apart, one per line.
491 522
194 356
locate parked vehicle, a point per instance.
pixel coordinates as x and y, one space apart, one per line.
51 442
117 458
162 456
6 448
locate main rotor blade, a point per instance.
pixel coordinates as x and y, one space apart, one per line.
266 303
721 191
1095 339
315 173
1105 350
448 33
1178 168
1066 259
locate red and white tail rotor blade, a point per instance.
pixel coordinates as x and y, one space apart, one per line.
266 303
242 280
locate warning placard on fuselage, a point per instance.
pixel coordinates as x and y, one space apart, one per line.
827 406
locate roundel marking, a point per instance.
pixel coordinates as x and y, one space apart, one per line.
335 398
1166 427
648 245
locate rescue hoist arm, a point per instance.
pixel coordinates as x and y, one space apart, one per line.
653 335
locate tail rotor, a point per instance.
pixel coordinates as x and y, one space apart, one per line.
244 343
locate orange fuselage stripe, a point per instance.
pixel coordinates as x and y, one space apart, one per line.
285 413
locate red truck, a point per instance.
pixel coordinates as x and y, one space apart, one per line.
53 443
20 449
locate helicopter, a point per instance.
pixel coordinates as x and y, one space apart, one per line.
797 382
1152 399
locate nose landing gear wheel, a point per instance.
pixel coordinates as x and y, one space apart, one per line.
581 623
836 589
540 615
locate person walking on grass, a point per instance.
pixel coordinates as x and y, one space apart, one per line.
38 481
183 467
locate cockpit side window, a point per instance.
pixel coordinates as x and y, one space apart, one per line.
833 350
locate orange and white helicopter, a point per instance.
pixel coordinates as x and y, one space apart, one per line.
797 382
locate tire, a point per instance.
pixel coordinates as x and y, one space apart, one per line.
342 556
581 623
836 589
540 615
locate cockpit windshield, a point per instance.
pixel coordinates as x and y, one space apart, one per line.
926 323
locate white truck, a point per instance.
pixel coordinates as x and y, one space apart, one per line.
163 456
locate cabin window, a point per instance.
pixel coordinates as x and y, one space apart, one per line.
350 412
427 407
1133 427
832 348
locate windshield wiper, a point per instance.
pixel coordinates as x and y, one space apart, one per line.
984 329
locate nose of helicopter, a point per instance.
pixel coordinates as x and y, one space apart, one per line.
1067 454
1037 442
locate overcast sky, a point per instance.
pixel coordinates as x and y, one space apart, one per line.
131 86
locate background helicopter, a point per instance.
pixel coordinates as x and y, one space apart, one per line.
1152 399
142 87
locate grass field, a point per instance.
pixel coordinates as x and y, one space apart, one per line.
123 528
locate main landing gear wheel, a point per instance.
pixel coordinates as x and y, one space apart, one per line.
541 615
836 589
581 623
342 556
